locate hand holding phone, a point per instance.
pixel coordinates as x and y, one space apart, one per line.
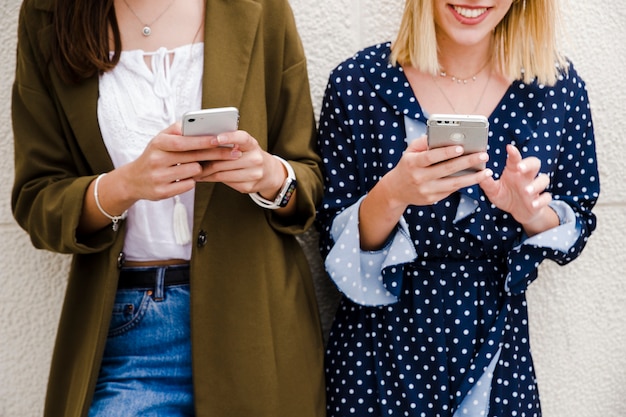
469 131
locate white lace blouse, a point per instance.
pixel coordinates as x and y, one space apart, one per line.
136 102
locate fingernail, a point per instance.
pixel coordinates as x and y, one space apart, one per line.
488 173
535 204
458 149
522 167
530 189
483 156
236 153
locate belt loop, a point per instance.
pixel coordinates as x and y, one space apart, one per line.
159 284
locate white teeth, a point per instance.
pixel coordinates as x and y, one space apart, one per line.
469 13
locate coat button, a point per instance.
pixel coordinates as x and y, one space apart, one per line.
121 259
202 239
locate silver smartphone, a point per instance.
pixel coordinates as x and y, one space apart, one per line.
210 121
469 131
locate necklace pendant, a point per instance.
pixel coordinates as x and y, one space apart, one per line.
146 31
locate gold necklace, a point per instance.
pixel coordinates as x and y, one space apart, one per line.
147 30
455 79
480 98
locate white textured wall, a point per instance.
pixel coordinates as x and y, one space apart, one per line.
577 311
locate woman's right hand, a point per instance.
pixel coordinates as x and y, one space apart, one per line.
165 169
422 177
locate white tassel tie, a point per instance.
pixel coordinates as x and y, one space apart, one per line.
182 234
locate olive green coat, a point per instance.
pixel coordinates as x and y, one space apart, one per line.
257 343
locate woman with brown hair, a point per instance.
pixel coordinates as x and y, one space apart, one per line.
433 266
188 293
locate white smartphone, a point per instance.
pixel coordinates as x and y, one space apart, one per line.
210 121
467 130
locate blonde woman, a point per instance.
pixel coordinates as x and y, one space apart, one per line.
433 268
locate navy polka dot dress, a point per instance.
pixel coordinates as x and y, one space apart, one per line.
435 323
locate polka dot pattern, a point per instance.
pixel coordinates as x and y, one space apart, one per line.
450 336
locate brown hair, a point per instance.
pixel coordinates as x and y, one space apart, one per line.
525 41
81 42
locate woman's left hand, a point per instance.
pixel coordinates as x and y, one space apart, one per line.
248 168
520 191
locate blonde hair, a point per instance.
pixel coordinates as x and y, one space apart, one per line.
525 43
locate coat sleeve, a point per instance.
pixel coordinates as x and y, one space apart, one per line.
291 123
50 173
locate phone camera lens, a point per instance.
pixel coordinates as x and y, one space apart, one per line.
457 137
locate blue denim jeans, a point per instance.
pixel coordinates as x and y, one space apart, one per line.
146 369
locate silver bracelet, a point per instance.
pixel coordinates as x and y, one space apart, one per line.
114 219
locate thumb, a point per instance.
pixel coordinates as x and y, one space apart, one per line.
418 145
490 187
174 129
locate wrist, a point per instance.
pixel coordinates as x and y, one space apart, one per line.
379 214
381 201
386 189
115 218
546 219
287 188
120 188
274 183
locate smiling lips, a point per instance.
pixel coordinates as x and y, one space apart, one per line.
469 13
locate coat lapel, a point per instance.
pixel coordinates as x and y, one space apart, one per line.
229 38
79 103
231 27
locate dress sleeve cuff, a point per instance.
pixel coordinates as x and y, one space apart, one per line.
554 243
371 278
